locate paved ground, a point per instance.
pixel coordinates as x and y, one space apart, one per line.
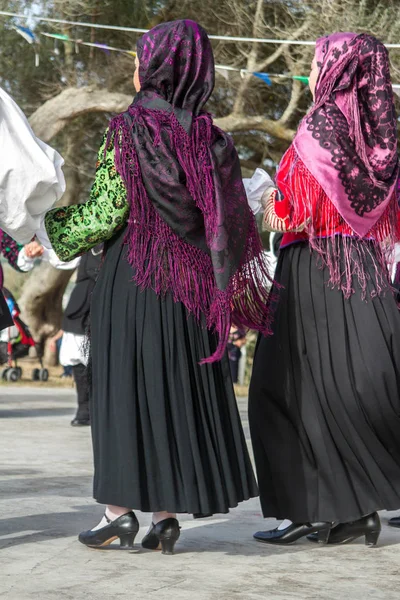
45 500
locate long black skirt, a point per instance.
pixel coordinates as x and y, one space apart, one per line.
5 316
324 404
166 431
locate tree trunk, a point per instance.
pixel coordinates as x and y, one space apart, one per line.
53 116
41 304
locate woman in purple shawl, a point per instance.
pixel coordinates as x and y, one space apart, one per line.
167 436
325 393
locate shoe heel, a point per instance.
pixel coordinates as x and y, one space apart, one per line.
168 545
127 540
323 535
371 538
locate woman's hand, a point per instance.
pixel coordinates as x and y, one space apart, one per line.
33 250
52 345
53 340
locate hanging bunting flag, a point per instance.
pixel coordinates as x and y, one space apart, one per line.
30 37
58 36
264 77
300 78
26 33
63 37
102 47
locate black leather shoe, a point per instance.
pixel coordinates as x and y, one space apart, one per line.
125 528
369 526
394 522
162 536
294 532
80 422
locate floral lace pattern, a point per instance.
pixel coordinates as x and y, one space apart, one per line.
348 140
74 230
330 127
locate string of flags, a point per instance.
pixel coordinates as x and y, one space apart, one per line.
224 70
105 47
227 38
31 38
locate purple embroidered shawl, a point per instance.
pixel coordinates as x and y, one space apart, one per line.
348 140
191 232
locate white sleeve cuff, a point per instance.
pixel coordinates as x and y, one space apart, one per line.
50 256
255 187
24 263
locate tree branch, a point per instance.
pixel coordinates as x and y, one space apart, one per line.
279 51
297 89
236 122
53 115
251 60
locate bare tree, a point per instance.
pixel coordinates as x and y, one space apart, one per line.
55 114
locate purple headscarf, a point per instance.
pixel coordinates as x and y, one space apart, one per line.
348 141
191 232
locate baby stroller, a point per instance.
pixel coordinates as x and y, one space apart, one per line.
15 342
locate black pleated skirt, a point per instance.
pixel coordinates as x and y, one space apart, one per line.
5 316
166 431
324 403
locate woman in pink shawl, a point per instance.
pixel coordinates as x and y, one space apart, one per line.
325 393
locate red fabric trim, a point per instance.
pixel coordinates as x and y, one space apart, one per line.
336 226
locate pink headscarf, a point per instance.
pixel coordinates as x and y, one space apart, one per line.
348 141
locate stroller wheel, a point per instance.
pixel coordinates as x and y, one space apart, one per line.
43 375
12 375
3 373
35 374
19 371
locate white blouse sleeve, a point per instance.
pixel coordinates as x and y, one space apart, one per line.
24 263
31 177
255 188
51 257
